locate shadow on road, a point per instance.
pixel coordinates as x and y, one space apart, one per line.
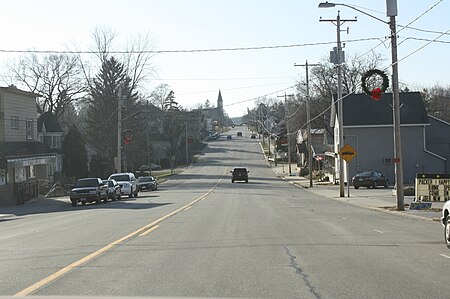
50 205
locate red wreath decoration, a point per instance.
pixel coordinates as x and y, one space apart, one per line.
376 92
128 136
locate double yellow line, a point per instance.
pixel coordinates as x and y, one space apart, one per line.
141 232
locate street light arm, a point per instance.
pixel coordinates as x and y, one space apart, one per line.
330 4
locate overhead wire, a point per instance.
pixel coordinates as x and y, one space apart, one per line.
262 96
187 50
236 88
399 60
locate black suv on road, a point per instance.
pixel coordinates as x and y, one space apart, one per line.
239 174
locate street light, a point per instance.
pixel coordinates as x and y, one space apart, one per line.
391 11
331 4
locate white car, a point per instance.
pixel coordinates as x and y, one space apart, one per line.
128 183
445 220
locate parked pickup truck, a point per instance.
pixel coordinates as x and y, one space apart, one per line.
88 190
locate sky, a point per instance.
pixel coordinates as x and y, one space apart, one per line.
241 75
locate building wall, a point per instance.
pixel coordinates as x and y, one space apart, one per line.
374 147
21 106
6 196
438 139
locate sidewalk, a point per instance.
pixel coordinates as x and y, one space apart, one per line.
35 206
57 203
380 199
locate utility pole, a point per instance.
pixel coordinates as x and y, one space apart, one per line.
119 130
187 144
308 120
391 11
339 59
286 114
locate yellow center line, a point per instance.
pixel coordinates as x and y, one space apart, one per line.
149 231
188 208
111 245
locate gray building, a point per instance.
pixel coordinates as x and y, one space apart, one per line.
368 128
24 161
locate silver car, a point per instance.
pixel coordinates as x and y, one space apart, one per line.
114 192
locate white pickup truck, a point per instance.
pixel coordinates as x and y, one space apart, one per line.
445 220
128 183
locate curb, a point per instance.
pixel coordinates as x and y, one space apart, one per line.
377 209
6 216
399 213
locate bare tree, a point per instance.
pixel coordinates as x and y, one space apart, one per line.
56 78
137 60
437 101
323 78
159 95
136 57
323 84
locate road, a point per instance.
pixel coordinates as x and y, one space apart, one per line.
200 235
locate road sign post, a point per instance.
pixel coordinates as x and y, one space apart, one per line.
347 153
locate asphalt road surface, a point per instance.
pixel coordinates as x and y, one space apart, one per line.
200 235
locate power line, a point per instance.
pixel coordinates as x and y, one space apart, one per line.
220 79
236 88
255 98
187 50
420 48
423 30
429 40
420 16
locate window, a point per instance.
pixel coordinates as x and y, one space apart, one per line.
2 177
31 171
14 122
56 142
48 140
29 129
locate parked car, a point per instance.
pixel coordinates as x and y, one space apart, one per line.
229 137
239 174
239 134
154 166
127 182
147 183
445 220
88 190
113 190
370 179
215 136
151 166
253 136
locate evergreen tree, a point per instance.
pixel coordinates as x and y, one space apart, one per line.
173 123
103 107
75 156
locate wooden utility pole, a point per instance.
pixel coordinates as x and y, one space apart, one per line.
308 120
338 60
288 134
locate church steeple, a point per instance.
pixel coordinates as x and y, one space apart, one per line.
219 101
220 112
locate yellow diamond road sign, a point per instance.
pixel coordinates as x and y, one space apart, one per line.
347 153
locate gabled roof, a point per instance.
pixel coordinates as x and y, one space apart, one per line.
50 121
18 149
362 110
14 89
